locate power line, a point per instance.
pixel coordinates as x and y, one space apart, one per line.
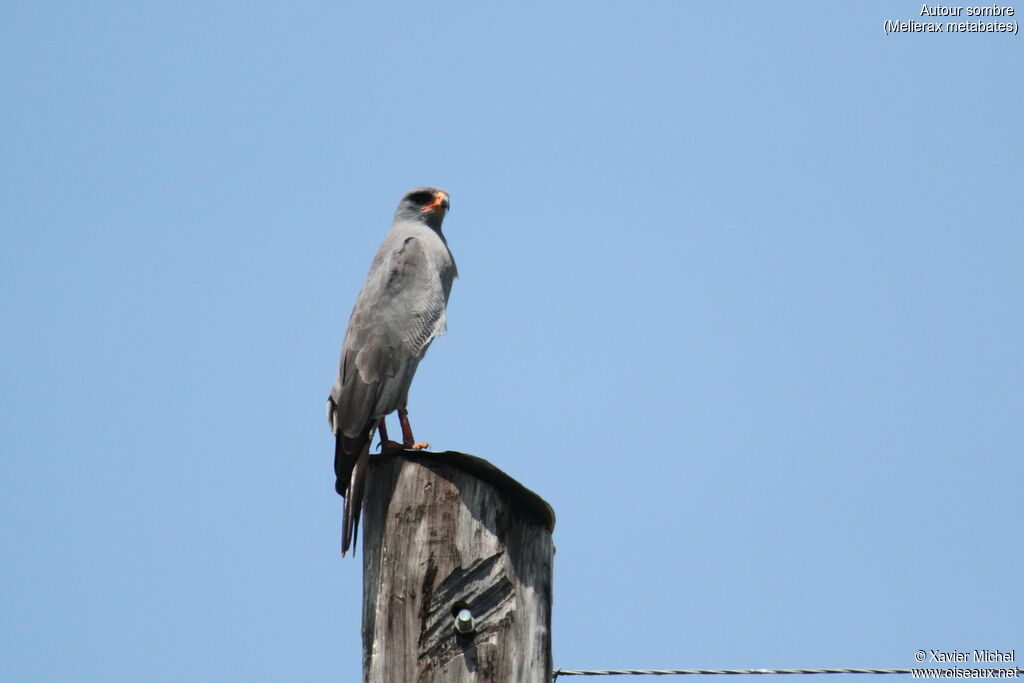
712 672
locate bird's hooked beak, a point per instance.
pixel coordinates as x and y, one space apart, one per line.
440 202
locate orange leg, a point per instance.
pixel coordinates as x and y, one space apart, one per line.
386 446
407 440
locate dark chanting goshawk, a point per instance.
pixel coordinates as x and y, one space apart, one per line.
399 311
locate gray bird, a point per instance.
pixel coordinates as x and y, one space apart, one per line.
399 311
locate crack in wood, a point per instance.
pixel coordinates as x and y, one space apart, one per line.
485 590
427 593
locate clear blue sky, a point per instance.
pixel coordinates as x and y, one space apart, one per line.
740 296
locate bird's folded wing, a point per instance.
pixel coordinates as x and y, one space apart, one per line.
400 309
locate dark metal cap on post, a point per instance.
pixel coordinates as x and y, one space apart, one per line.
457 560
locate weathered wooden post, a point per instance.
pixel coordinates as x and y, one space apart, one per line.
448 532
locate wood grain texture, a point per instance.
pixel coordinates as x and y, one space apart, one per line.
436 537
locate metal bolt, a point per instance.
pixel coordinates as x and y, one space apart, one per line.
464 622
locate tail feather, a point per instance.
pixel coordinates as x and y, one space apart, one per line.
344 460
354 499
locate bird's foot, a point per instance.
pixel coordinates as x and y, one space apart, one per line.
389 447
418 446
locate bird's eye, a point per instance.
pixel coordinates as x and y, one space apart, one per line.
421 197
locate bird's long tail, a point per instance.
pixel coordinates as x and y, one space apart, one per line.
354 499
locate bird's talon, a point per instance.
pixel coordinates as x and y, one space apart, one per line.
419 446
388 447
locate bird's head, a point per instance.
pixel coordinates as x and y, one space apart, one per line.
424 204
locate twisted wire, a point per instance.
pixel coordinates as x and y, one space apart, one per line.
712 672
